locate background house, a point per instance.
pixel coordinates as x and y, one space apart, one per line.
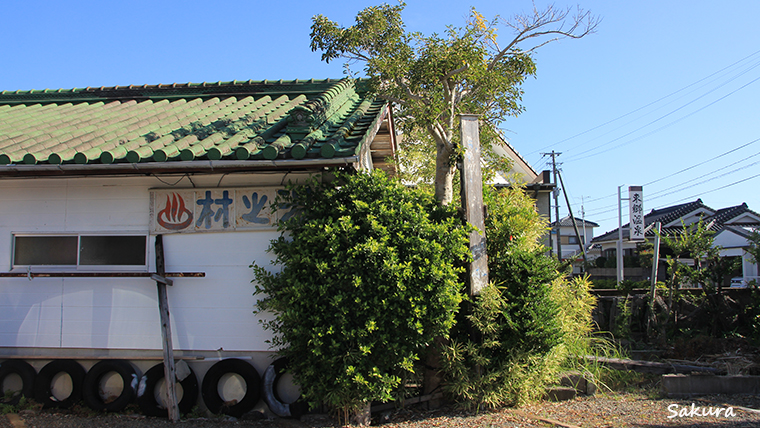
568 240
538 184
731 227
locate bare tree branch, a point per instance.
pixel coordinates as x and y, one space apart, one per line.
528 27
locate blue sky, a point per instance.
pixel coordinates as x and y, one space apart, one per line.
665 94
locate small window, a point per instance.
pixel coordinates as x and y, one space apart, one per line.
80 250
46 250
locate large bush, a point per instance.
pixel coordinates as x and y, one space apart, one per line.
370 276
524 325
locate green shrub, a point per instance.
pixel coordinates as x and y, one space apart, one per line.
370 276
523 328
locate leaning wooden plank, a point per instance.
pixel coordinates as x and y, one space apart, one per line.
166 334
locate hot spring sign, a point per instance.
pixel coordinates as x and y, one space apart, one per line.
215 210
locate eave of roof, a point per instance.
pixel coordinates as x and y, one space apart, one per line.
224 125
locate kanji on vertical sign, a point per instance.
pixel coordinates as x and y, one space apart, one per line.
636 213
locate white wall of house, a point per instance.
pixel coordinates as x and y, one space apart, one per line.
735 245
122 313
569 241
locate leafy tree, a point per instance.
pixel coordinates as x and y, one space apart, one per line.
432 79
370 276
707 269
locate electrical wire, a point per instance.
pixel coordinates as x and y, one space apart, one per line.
576 158
645 106
605 209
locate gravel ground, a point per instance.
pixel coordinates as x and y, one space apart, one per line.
635 409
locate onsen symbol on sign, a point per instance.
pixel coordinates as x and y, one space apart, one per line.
175 216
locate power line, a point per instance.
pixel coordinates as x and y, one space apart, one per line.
704 162
612 207
662 117
647 105
719 188
705 181
688 198
571 159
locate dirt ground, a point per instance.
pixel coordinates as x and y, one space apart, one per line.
628 409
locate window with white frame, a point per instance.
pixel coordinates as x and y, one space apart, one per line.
82 250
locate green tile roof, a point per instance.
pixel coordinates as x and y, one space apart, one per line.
238 120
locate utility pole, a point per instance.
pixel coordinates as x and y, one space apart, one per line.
554 155
619 245
583 217
572 217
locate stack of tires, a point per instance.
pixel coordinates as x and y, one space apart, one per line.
86 386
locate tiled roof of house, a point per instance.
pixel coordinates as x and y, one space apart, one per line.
725 215
663 215
235 121
568 222
670 214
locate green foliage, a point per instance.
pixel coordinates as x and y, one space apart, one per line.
370 276
523 326
24 403
622 328
754 246
512 224
628 285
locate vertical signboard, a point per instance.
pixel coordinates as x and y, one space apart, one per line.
472 183
636 213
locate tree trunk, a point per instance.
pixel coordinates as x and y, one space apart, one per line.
362 417
444 175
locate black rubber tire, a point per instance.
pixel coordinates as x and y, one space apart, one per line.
146 398
272 375
210 387
27 374
91 389
43 389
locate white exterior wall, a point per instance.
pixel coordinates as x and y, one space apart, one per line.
566 232
735 245
122 313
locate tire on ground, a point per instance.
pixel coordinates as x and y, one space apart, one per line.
210 387
91 390
146 397
43 384
272 375
27 374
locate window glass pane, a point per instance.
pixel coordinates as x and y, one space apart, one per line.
45 250
112 250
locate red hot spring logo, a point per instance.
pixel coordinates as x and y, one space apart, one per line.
176 216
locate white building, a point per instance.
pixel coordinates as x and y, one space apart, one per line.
90 177
568 240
